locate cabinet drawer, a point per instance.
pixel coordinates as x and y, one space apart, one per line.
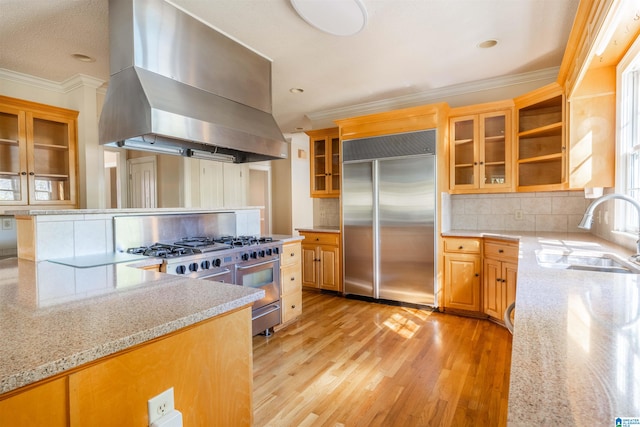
290 254
462 245
321 238
291 279
501 250
291 307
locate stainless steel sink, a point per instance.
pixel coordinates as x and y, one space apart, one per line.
596 261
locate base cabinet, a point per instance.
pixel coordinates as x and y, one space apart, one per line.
500 275
291 282
321 261
462 274
213 383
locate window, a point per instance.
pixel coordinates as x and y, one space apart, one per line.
628 148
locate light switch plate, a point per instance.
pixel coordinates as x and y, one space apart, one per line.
7 224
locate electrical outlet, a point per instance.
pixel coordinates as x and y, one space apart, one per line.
160 405
519 214
7 224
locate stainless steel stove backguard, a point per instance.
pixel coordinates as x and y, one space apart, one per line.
145 230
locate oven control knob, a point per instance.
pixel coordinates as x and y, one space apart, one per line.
254 255
180 269
205 265
216 262
193 266
245 257
269 252
261 253
276 251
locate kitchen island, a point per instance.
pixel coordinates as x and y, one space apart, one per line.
88 344
576 342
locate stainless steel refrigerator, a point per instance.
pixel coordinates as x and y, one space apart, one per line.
388 217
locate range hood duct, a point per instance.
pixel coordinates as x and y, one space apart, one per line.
180 87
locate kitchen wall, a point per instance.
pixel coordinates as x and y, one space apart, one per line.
326 213
7 236
545 211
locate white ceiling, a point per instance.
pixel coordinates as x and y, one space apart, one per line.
408 47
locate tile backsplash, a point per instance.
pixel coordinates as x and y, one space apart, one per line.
545 211
326 212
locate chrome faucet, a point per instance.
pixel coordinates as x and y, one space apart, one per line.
587 219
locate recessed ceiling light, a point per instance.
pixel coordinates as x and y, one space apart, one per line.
487 44
83 58
296 90
337 17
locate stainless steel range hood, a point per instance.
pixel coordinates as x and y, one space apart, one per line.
179 87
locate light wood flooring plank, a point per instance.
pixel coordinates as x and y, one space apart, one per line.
352 363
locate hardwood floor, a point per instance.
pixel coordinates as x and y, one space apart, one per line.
352 363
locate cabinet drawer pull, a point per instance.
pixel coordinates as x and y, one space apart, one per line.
292 254
317 239
500 251
460 247
293 278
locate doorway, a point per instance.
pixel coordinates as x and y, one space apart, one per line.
112 182
142 182
260 195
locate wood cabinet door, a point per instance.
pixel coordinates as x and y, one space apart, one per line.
492 288
462 282
329 268
44 405
309 266
510 274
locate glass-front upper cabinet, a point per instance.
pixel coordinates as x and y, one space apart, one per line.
325 162
37 154
13 156
480 152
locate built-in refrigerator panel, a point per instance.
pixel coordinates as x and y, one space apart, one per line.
357 229
388 217
406 218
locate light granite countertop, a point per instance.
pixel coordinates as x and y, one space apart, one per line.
55 317
576 342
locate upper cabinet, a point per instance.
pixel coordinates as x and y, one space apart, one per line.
325 162
541 149
480 150
37 154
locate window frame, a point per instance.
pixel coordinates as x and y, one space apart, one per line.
628 138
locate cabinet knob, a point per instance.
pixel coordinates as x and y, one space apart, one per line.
482 163
23 173
292 254
477 274
317 239
500 251
293 306
31 173
293 278
475 163
460 247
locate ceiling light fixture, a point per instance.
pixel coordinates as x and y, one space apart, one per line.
296 90
337 17
487 44
82 58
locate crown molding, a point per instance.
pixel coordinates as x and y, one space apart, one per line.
81 80
72 83
427 97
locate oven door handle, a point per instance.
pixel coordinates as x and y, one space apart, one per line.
274 308
219 273
271 261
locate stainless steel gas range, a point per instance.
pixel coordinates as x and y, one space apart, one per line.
242 260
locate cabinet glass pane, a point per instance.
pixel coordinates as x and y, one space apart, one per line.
50 160
494 149
47 132
464 175
335 163
464 130
8 127
51 188
9 188
9 157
